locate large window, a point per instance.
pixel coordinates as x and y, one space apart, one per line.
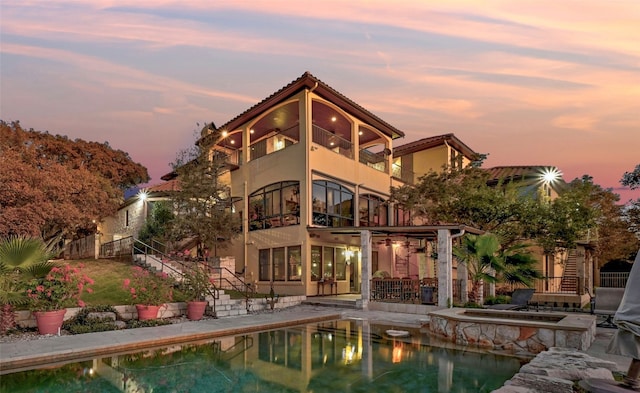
316 263
373 211
328 262
332 204
278 264
263 260
275 205
402 217
273 263
295 263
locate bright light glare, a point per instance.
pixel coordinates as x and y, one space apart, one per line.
142 195
550 175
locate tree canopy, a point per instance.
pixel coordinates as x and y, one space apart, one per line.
631 212
582 211
203 205
52 185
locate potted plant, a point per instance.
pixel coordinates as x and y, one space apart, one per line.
49 296
196 285
148 291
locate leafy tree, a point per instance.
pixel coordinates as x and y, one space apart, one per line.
467 197
203 204
52 185
157 226
632 179
586 211
631 212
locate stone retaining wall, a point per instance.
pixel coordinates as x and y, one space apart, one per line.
225 307
515 332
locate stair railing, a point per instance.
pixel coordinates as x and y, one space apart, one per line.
140 247
223 273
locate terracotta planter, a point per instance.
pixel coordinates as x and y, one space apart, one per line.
146 311
195 310
49 322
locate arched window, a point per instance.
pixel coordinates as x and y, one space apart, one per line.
275 205
332 204
373 211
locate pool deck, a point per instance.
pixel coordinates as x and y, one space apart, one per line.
17 356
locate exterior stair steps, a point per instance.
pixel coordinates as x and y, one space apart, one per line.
569 282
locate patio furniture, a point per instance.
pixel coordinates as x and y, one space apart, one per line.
606 302
519 300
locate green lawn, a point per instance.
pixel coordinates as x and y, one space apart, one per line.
108 276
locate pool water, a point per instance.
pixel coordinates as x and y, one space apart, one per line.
335 356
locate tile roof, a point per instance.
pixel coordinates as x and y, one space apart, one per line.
308 81
171 185
521 171
433 141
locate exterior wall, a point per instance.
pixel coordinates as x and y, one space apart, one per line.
302 162
117 227
430 160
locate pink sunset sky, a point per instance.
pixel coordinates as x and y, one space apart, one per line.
528 82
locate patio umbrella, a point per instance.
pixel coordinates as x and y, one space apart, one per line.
626 340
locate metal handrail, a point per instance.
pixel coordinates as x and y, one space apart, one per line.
245 288
215 294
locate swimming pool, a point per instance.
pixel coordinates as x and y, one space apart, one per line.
332 356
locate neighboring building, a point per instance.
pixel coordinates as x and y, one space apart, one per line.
131 216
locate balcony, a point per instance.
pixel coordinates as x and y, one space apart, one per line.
405 175
376 161
332 141
274 141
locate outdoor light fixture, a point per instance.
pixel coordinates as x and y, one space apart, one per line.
142 195
550 175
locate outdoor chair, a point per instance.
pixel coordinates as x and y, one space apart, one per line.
606 303
519 300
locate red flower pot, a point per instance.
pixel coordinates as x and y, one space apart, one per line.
195 310
49 322
146 311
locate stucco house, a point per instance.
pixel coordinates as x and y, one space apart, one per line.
310 173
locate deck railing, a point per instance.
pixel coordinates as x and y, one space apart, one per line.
332 141
373 160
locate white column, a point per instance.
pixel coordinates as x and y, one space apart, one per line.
445 268
365 270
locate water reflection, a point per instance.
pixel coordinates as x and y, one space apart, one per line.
334 356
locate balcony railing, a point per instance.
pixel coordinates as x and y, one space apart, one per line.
373 160
332 141
277 141
403 174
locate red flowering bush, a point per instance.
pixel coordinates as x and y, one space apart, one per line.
61 288
151 289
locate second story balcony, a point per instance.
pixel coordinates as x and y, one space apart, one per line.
332 141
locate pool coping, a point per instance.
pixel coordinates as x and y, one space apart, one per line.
21 356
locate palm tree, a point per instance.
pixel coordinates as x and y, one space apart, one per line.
21 259
487 261
479 254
